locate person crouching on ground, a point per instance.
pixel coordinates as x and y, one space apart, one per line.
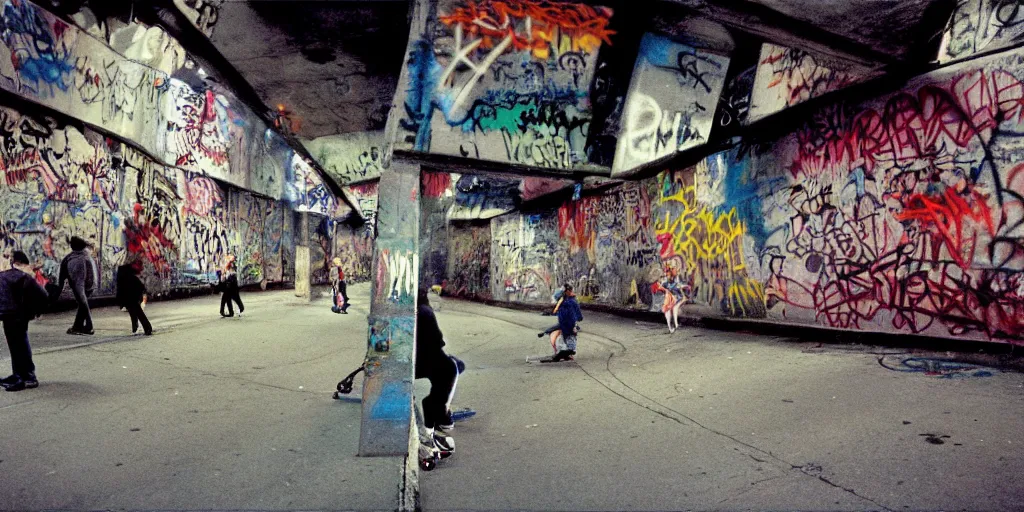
434 364
131 295
229 282
21 300
569 313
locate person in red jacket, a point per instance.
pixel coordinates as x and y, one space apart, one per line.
21 300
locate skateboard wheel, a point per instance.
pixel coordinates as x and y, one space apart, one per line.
336 397
428 464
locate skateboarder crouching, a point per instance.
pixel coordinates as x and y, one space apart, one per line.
569 313
434 364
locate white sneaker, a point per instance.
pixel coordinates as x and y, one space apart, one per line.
240 315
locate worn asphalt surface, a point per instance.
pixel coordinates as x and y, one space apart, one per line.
711 420
235 414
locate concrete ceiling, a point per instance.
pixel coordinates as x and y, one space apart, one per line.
865 32
887 26
333 65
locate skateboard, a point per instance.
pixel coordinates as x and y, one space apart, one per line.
463 414
548 359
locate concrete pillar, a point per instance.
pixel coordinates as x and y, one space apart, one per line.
387 388
303 278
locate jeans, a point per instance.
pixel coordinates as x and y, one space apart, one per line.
138 316
16 332
443 379
231 295
83 319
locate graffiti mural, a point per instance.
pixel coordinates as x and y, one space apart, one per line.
788 76
504 80
204 130
350 157
701 248
365 196
354 247
469 260
306 190
981 25
671 102
524 250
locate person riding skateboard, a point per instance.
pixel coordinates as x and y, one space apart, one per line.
569 313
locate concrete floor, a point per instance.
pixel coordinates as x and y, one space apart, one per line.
710 420
236 414
209 413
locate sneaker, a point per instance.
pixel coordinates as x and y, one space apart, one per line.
10 379
17 385
31 383
80 333
240 315
148 333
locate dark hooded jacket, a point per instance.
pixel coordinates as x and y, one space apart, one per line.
130 288
568 314
429 341
21 297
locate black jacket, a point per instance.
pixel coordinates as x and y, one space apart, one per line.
230 283
429 342
21 297
130 288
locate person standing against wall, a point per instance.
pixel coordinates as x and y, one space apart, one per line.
79 270
21 300
229 282
131 295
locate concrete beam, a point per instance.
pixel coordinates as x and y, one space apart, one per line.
769 24
387 388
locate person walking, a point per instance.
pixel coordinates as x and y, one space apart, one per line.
229 283
21 300
339 289
79 270
131 295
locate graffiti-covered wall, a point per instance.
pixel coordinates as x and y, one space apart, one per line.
671 102
602 244
469 259
789 76
62 180
902 214
507 81
981 26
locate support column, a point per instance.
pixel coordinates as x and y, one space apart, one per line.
387 388
303 279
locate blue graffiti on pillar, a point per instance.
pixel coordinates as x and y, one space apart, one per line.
424 72
393 404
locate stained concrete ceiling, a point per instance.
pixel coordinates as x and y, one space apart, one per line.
332 65
866 32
